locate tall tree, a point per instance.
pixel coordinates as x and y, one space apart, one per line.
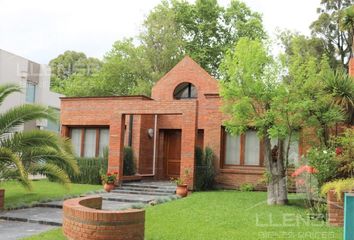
162 39
204 30
248 90
70 63
327 27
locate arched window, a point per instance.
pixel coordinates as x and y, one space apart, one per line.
185 90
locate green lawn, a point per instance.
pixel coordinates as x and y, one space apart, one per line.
43 190
227 215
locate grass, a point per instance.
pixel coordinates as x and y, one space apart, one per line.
227 215
43 190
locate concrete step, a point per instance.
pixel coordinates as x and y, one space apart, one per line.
143 188
128 198
143 191
41 215
147 185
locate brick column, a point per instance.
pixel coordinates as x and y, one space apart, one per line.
335 209
189 133
64 131
116 145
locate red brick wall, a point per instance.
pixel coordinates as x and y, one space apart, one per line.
111 111
351 67
82 220
335 209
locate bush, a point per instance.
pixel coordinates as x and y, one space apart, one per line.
247 187
323 160
345 154
90 170
339 186
205 172
129 164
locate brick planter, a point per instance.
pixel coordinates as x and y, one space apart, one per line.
83 220
2 199
335 209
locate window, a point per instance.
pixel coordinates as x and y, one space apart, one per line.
232 149
104 140
53 125
242 149
293 150
89 142
184 91
76 137
252 148
31 92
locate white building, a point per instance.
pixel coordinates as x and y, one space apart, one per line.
34 80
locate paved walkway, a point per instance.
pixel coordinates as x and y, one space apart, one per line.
16 224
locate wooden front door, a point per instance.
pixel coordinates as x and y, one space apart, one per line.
172 152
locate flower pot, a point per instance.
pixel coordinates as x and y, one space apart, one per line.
2 198
108 187
182 190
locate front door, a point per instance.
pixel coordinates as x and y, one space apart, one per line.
172 152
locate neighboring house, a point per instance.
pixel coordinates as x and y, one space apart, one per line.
34 80
164 130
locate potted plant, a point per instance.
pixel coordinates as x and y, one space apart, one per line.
109 180
182 188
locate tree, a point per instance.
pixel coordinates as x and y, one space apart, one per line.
68 64
126 70
347 24
162 39
327 28
294 43
248 89
204 30
31 152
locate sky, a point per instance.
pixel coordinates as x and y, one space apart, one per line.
40 30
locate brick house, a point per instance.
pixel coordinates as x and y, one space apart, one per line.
164 130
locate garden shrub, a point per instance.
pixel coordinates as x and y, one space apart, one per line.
90 170
339 186
345 154
323 160
247 187
129 164
205 172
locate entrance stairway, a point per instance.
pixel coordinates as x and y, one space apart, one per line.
44 216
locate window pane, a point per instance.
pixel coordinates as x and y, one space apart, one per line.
232 149
30 92
104 141
251 148
293 151
90 143
76 140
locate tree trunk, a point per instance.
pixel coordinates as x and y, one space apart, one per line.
277 186
282 197
271 189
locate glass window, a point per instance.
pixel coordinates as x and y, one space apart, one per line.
104 141
232 149
90 143
76 140
251 148
30 92
184 91
293 151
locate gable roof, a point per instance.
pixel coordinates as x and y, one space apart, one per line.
187 70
